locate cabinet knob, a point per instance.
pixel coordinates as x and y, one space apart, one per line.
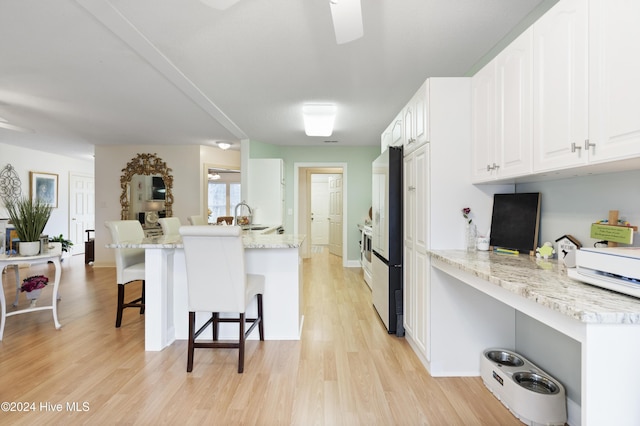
575 147
588 145
412 188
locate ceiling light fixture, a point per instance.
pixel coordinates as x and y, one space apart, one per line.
223 145
319 119
347 20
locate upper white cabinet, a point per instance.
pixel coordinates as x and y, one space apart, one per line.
393 134
416 120
560 86
614 80
483 145
502 113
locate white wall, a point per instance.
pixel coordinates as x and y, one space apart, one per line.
24 160
570 206
189 190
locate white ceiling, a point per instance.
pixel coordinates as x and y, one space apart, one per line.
79 73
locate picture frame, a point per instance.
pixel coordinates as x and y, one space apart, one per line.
44 187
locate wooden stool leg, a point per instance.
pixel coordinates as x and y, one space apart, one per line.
190 349
241 345
120 305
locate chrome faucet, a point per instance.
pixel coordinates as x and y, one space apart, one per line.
243 203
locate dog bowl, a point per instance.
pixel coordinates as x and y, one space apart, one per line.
536 383
504 358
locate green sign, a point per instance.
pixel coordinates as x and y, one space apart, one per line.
616 234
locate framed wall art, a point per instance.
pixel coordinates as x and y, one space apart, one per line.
44 187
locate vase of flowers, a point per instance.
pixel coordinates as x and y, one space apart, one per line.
33 286
471 233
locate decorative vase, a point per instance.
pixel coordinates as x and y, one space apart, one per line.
471 236
33 295
29 248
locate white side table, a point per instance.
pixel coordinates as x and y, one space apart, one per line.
15 261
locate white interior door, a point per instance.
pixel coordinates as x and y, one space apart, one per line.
335 214
81 209
319 209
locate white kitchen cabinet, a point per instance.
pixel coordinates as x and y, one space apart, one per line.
392 135
437 185
483 146
560 87
416 182
416 120
614 80
265 192
502 114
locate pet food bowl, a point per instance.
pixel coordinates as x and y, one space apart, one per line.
532 395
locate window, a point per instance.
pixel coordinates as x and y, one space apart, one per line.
223 197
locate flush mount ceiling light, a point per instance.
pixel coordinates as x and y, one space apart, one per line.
223 145
318 119
347 20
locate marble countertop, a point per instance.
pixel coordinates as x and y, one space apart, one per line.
546 282
251 241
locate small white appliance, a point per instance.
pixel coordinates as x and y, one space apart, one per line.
613 268
529 393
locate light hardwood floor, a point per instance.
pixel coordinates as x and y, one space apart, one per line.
346 370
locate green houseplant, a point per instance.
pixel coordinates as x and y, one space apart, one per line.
29 217
66 244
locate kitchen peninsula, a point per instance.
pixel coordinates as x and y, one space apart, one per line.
477 297
276 256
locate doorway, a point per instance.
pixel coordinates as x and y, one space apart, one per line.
81 209
335 193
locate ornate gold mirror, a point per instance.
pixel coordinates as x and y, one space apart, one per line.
146 184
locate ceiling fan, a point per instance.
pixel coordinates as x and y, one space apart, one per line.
346 16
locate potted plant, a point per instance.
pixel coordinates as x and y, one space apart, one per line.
29 217
33 286
66 244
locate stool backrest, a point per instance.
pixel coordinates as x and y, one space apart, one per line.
197 220
170 225
122 231
216 277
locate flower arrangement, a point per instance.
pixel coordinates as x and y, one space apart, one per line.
466 212
34 283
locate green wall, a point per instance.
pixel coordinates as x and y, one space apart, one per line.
358 160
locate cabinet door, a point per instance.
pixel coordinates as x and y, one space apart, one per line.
396 131
560 86
483 98
421 306
385 139
614 80
514 112
421 114
409 299
421 194
407 123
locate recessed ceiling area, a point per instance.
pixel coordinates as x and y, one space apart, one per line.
80 73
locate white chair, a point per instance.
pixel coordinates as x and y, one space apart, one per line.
197 220
129 262
217 283
170 225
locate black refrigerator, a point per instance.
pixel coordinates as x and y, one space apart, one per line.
387 239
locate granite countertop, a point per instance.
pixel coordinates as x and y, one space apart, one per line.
546 282
251 241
